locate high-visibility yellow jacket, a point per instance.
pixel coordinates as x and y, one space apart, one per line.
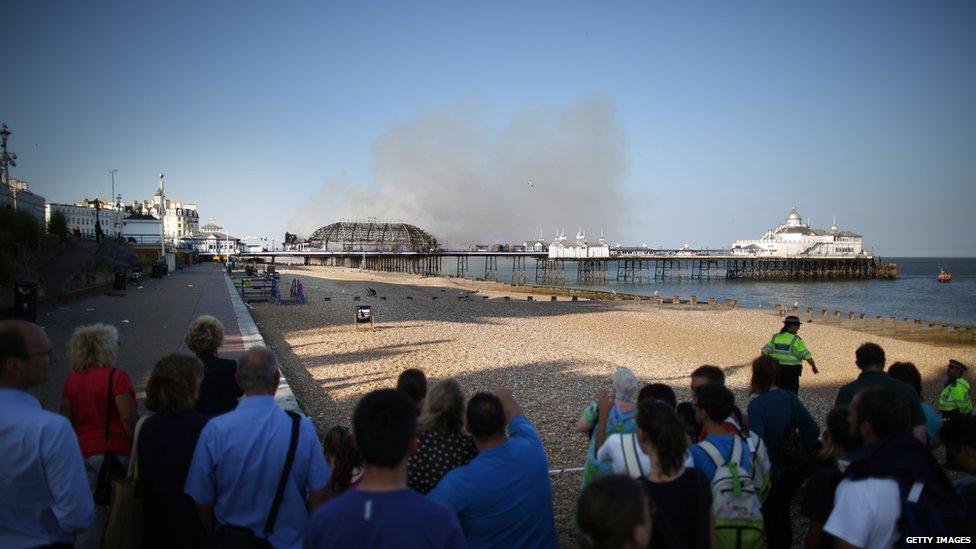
955 397
787 349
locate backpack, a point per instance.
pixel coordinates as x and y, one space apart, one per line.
631 453
930 505
927 509
762 466
735 502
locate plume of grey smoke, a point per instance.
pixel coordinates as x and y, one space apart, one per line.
450 173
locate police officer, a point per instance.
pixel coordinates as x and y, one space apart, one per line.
955 401
955 398
790 351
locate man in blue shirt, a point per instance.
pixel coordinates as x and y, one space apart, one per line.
382 511
503 497
240 456
44 494
715 404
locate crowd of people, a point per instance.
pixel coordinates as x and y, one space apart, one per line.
219 464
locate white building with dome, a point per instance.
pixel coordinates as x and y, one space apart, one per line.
562 247
794 238
211 240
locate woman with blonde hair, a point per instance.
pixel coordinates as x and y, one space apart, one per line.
219 391
167 440
442 444
100 401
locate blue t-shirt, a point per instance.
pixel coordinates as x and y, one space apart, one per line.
933 422
724 445
503 497
402 518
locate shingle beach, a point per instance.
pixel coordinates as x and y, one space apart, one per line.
556 355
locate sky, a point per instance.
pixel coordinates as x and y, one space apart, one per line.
656 123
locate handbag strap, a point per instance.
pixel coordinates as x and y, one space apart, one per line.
134 459
108 409
285 472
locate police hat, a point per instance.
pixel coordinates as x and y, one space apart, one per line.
953 363
792 319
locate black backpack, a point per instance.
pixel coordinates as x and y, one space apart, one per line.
930 505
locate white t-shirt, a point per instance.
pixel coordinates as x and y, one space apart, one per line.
613 451
866 513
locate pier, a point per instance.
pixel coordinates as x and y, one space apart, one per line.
619 267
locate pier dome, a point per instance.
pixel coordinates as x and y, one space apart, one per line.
372 236
794 219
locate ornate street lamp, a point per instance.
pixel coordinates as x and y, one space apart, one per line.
7 160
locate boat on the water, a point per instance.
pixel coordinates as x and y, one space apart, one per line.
944 275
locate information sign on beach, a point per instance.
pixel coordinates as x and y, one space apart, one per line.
364 316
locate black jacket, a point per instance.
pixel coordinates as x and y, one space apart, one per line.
219 390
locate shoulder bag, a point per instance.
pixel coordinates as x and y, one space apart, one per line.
124 525
229 536
111 469
792 448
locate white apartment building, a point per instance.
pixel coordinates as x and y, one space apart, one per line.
82 217
17 195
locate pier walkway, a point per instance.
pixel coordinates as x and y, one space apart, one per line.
152 321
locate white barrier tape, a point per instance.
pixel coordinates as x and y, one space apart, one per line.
565 470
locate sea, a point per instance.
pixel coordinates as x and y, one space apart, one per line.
914 294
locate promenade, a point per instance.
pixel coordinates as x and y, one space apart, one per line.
151 320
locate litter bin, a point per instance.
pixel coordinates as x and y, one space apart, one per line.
25 300
158 270
119 283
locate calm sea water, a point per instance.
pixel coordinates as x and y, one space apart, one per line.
915 294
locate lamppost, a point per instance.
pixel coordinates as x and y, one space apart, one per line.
7 160
98 222
115 205
162 217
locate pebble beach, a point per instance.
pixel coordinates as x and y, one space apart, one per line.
555 355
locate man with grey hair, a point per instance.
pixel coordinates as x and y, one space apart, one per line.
241 457
45 498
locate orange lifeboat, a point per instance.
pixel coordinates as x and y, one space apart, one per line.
944 276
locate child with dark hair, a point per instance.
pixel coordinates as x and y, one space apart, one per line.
343 459
908 373
959 436
414 382
715 404
681 495
614 514
818 498
382 511
659 392
689 419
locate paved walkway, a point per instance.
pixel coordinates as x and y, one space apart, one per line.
152 321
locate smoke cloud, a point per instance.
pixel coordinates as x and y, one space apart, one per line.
466 182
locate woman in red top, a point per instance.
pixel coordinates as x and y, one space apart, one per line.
93 352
